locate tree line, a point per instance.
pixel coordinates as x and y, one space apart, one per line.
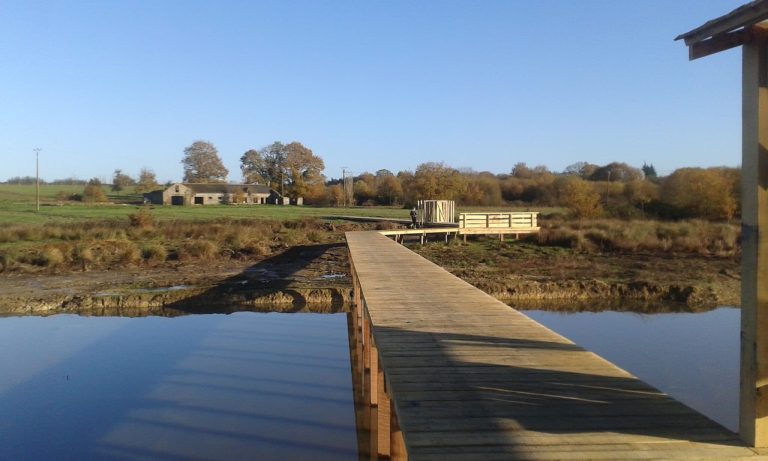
585 190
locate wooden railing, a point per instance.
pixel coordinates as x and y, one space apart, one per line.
527 220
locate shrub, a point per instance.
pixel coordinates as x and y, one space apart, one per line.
83 255
128 253
198 249
142 219
700 193
154 252
7 260
93 192
50 257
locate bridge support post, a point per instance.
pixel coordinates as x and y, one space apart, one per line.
397 451
753 415
384 418
374 373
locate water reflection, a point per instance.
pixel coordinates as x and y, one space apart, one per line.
204 387
693 356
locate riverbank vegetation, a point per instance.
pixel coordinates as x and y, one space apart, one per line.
140 240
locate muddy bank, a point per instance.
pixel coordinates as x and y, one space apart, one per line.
519 271
301 279
315 278
582 290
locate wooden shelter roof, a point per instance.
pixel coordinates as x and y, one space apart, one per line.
728 31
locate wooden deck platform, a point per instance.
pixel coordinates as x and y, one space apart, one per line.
466 377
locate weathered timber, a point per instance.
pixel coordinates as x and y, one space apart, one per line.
468 377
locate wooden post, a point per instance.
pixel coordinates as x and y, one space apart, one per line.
366 343
383 415
753 415
374 361
397 451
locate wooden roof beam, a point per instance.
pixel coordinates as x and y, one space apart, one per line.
719 43
743 16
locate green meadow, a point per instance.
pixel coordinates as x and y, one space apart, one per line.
17 206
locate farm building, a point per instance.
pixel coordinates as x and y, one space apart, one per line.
214 194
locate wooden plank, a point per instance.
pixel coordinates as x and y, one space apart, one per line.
468 377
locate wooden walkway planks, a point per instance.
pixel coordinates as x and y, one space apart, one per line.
471 378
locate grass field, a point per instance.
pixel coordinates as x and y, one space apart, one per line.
17 206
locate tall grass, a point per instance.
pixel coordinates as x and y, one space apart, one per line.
694 236
142 240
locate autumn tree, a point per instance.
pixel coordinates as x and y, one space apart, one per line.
202 164
616 171
437 181
482 189
303 169
704 193
579 196
388 190
265 166
291 169
640 193
121 180
364 189
581 169
147 181
254 168
336 195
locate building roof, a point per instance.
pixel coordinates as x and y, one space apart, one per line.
221 188
725 32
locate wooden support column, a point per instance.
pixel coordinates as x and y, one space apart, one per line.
366 342
374 361
753 424
384 432
397 451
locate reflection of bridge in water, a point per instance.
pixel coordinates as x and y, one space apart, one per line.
449 372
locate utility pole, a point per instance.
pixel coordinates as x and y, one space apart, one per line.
37 177
344 185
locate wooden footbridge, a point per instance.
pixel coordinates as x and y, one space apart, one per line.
454 374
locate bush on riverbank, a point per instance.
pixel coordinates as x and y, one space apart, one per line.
642 236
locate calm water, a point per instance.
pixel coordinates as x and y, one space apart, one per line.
692 356
204 387
276 386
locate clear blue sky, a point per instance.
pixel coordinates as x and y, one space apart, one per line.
100 85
